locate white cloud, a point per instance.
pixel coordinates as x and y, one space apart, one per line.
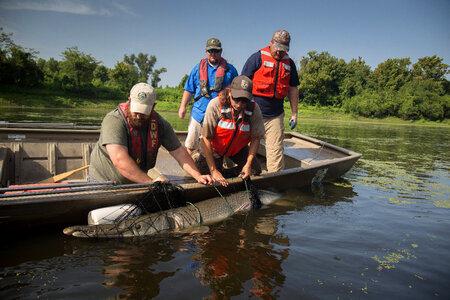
124 9
64 6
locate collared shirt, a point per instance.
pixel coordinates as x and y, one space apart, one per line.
193 86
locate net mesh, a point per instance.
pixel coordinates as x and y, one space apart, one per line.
164 208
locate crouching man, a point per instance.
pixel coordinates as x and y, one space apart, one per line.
232 127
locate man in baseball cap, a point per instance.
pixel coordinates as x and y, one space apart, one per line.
232 128
274 77
129 141
204 83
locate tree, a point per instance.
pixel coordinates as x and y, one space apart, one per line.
320 77
356 76
18 65
143 62
183 81
100 75
430 68
26 72
391 74
155 76
78 67
124 75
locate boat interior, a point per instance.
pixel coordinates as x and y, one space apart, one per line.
30 155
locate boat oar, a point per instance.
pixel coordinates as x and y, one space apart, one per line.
62 176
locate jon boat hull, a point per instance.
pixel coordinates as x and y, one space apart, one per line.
28 155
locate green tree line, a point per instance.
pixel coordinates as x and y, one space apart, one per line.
394 88
76 71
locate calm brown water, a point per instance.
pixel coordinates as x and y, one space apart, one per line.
381 232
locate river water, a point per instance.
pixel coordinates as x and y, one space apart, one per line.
380 232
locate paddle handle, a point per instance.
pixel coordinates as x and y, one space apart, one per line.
62 176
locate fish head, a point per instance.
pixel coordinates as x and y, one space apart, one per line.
268 197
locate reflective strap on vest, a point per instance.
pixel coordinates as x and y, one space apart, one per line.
225 124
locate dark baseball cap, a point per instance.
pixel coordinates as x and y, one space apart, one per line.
213 43
241 87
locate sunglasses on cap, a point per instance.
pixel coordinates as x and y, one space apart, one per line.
213 50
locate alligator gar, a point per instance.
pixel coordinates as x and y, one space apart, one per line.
193 215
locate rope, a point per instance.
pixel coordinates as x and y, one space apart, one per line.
229 206
317 155
198 211
246 189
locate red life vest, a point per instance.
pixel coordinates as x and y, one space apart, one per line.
203 75
145 158
272 78
230 137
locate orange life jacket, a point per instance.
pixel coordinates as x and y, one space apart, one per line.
203 75
230 137
272 78
145 158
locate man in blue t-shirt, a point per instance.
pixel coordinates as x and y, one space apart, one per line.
206 80
274 77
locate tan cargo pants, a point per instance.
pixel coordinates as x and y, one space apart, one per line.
274 143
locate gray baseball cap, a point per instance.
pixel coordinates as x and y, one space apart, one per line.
142 98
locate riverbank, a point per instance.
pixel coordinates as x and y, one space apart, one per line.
169 101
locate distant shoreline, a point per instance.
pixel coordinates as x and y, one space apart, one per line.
12 99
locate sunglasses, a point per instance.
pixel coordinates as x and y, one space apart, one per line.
214 50
241 99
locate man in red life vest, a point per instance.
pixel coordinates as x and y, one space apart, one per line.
205 81
274 77
129 141
233 127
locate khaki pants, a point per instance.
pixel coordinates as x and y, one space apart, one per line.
274 143
194 134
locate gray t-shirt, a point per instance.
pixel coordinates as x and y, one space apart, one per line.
114 131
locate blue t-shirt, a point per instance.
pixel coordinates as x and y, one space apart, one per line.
193 86
270 107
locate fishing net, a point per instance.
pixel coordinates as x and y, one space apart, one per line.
161 196
164 208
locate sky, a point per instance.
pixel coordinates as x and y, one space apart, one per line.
176 31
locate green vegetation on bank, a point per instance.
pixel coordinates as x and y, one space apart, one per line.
330 88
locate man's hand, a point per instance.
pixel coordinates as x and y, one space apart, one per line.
293 121
245 173
182 112
218 177
162 178
205 179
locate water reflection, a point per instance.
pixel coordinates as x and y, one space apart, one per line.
134 266
247 258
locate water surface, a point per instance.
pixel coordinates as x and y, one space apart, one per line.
380 232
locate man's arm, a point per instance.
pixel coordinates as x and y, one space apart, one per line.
187 163
184 101
254 144
293 99
252 64
208 153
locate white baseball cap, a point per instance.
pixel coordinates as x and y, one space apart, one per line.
142 98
